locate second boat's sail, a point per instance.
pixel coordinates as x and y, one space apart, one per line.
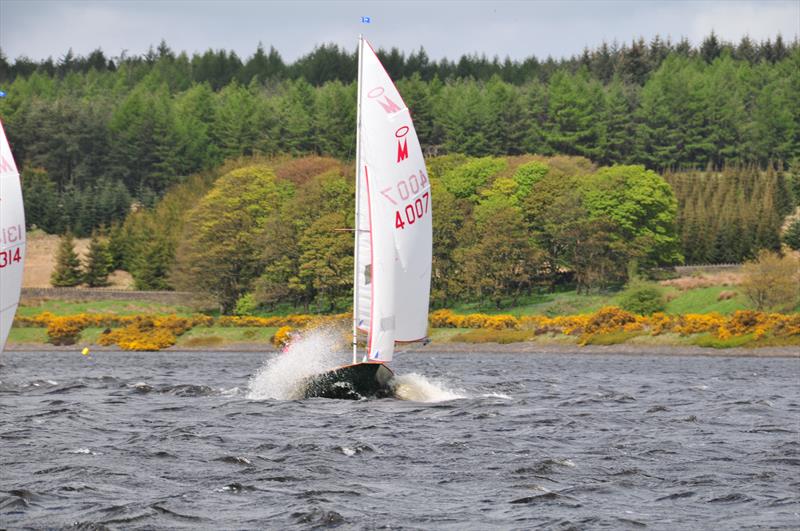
394 230
12 238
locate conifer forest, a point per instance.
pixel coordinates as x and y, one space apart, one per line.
654 153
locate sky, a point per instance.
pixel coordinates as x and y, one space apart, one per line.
517 29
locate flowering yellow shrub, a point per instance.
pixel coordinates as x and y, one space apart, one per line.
501 322
63 331
698 323
659 323
787 325
143 335
444 319
608 319
295 320
612 319
474 320
151 332
282 336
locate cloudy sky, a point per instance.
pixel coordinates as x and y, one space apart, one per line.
518 29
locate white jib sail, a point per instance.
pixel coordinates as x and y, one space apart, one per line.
12 238
394 233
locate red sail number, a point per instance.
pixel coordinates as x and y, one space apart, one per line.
412 211
9 257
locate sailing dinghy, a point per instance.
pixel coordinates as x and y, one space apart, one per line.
393 236
12 238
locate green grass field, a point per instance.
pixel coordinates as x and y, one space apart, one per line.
706 300
697 300
201 336
120 307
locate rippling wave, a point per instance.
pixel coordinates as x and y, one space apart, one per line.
471 441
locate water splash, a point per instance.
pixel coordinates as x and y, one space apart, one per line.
281 376
497 395
419 388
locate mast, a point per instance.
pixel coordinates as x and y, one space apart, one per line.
358 202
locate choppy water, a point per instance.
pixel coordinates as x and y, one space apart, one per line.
485 441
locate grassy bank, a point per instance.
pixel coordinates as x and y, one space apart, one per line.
603 327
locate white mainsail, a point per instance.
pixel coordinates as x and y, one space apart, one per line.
12 238
393 216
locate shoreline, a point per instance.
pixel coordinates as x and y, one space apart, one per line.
531 348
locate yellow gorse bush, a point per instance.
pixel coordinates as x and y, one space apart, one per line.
144 334
282 336
611 319
155 332
294 321
62 331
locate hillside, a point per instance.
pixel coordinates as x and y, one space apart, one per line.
40 260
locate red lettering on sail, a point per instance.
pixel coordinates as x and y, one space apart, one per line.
388 105
5 166
402 150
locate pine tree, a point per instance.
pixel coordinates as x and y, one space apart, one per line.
619 127
99 263
68 267
792 235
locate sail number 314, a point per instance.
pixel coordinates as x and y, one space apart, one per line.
9 257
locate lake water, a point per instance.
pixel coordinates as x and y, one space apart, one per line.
481 441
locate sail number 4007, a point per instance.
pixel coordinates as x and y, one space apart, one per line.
9 257
405 189
412 212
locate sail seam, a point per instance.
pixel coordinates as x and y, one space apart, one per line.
9 307
371 265
20 244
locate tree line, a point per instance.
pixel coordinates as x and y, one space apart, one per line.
265 229
632 62
92 140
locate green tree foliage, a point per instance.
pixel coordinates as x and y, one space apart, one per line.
99 263
770 281
575 104
641 205
643 298
326 260
727 216
520 223
219 250
496 256
145 140
792 235
91 123
527 175
67 272
465 180
41 200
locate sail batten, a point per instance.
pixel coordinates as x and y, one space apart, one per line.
393 204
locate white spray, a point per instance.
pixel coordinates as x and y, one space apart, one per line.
318 350
281 377
418 388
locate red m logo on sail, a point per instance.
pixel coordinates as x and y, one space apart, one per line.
388 105
402 150
402 143
5 166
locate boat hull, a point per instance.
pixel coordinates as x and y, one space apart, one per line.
351 382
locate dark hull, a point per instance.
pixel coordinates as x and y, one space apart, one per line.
352 382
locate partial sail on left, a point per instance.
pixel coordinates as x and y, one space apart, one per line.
12 238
